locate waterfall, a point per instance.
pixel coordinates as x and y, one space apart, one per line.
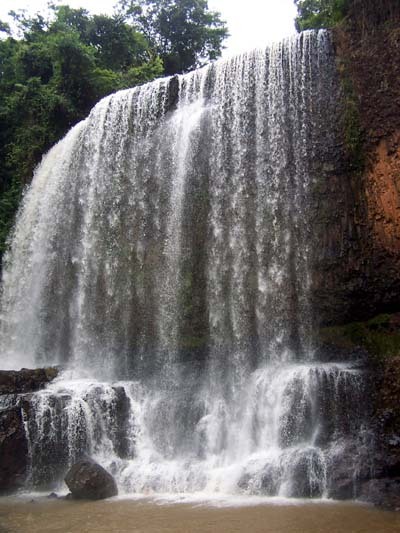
163 258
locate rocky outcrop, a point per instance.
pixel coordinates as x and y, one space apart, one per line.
71 432
122 440
89 481
14 406
377 456
384 488
13 450
384 493
48 432
357 211
383 196
25 380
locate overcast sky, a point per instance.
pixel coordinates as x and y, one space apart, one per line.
251 23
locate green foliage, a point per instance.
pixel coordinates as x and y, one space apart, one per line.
184 33
377 336
9 202
140 74
5 28
316 14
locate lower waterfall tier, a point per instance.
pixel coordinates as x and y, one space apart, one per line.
295 430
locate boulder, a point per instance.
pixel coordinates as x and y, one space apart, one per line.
88 480
14 458
25 380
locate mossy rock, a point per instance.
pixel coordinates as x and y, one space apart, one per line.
380 336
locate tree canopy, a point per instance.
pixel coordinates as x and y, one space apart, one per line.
184 33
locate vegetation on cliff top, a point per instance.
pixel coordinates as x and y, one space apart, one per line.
57 67
316 14
184 33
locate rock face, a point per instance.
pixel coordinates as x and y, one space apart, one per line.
383 493
356 268
384 489
25 380
14 460
65 426
88 480
357 214
13 450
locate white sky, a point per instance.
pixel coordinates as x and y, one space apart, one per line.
251 23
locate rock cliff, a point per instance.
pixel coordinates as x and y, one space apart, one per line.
357 267
357 213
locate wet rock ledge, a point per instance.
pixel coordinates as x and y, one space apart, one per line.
26 380
13 442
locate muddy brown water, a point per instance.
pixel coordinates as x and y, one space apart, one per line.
39 516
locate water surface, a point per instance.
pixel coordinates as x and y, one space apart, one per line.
146 516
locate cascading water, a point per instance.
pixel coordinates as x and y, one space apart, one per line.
162 257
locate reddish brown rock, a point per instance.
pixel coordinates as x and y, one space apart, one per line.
357 212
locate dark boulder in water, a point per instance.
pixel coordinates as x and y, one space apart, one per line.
88 480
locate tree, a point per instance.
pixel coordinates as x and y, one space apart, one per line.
316 14
50 78
5 28
184 33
